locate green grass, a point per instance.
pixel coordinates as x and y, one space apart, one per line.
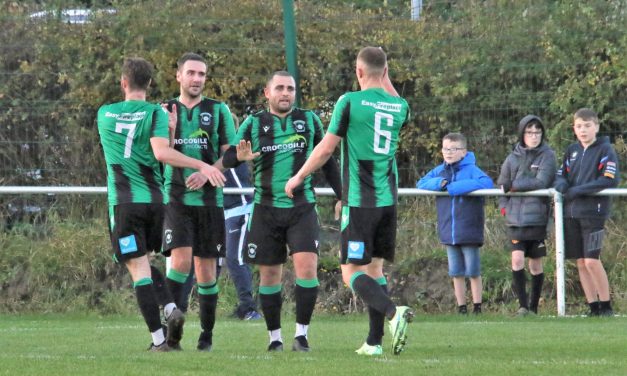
438 345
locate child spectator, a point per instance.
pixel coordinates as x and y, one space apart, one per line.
530 166
589 166
460 218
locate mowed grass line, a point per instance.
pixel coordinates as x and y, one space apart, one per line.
438 345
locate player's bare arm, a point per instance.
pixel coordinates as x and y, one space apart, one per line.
320 154
164 153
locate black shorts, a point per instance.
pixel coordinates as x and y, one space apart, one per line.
271 229
368 233
532 248
583 237
135 229
199 227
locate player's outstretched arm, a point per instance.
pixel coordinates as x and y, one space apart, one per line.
320 154
166 154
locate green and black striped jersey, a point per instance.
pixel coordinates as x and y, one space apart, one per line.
200 132
133 173
284 145
369 122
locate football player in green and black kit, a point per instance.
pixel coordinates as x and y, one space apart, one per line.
278 141
194 216
134 137
367 123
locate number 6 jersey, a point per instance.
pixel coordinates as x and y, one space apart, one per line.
369 122
133 173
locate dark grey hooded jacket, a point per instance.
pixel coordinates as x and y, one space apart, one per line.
525 170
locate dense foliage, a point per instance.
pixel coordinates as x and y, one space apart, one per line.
470 66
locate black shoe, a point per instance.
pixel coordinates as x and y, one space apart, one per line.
300 344
608 312
476 310
462 309
205 341
275 346
175 328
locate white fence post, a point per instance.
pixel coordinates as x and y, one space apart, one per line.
560 280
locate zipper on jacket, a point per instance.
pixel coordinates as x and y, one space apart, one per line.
453 210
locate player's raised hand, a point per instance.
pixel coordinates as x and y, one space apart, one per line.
292 184
195 181
245 151
172 116
215 176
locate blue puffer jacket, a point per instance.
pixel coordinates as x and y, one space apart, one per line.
460 218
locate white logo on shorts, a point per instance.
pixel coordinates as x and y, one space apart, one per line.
168 236
252 250
219 247
317 243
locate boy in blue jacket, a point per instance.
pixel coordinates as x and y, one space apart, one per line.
460 218
589 166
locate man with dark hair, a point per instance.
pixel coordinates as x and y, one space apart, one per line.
367 123
134 137
202 129
278 141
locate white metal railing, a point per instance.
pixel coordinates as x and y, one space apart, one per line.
556 196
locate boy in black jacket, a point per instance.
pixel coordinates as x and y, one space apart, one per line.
588 166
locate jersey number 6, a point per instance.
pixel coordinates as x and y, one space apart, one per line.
382 135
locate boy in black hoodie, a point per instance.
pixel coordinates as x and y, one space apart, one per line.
588 166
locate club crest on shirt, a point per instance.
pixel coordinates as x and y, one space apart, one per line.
299 126
205 119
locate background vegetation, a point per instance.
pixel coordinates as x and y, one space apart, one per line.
470 66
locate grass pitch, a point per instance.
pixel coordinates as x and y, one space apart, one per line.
437 345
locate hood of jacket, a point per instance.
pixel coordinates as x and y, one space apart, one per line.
523 124
469 159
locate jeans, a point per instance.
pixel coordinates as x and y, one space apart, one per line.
463 261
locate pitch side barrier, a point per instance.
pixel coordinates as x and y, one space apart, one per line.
558 208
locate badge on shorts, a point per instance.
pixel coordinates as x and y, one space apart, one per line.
355 250
168 236
128 244
252 250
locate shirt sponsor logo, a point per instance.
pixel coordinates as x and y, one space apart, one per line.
390 107
198 139
295 143
127 116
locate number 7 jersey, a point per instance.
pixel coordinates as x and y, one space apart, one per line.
369 122
133 173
